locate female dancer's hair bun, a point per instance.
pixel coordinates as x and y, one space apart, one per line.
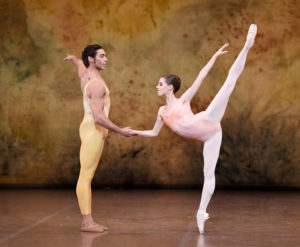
173 80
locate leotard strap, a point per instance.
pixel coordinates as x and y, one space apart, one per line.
86 85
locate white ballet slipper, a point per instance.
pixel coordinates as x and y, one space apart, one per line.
201 218
251 36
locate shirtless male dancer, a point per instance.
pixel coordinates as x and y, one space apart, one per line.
94 126
204 126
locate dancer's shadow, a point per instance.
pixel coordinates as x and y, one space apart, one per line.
87 238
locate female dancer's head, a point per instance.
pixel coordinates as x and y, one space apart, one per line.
168 84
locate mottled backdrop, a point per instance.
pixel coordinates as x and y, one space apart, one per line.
41 101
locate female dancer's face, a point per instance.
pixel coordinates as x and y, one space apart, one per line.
163 88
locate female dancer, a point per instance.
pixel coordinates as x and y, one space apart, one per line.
204 126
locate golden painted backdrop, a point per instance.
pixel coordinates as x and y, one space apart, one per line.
41 101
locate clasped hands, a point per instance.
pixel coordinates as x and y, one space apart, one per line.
128 132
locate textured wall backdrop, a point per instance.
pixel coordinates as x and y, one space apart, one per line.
41 101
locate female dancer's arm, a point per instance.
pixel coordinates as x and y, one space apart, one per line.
157 127
189 94
78 64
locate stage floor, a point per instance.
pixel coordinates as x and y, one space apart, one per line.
150 218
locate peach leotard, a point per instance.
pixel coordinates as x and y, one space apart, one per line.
185 123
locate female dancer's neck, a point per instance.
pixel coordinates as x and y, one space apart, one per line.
170 98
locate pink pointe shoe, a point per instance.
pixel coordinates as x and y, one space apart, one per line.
251 36
201 221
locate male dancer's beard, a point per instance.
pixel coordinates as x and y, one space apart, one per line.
96 66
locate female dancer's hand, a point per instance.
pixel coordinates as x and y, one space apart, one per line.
221 50
132 132
135 133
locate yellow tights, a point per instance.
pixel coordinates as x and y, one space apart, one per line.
92 142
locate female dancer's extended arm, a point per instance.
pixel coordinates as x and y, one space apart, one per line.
157 127
78 64
189 94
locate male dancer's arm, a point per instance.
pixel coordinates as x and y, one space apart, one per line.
97 102
78 64
189 93
96 92
156 129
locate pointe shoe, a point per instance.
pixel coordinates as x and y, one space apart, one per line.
251 36
201 221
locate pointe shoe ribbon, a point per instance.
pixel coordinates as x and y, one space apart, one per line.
204 216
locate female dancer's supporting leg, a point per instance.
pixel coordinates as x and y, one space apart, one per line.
215 113
211 152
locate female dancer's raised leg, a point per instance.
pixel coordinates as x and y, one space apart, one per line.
215 113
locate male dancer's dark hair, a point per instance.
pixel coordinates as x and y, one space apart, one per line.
89 51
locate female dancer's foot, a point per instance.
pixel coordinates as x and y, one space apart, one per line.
251 36
201 218
88 225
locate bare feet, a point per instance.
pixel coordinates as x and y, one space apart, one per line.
251 36
88 225
93 228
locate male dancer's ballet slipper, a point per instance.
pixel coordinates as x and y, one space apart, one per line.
96 228
201 221
251 36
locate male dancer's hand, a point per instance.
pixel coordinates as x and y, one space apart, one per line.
69 57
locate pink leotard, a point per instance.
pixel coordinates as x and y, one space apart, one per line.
185 123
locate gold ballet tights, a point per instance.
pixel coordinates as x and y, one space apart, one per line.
92 142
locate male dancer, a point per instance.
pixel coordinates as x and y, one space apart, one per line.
94 126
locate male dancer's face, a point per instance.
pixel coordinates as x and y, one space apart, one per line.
163 88
100 60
